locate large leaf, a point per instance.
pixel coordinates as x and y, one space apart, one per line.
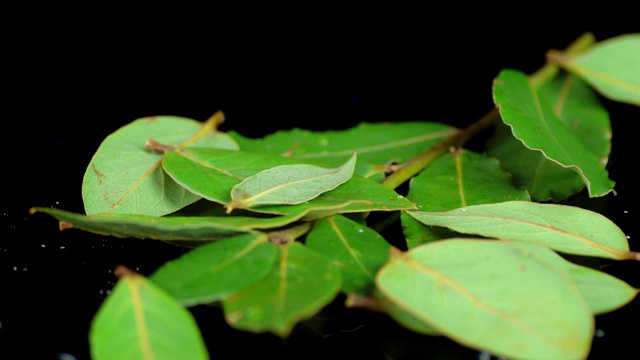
534 123
170 228
214 271
377 144
357 250
289 184
611 66
300 284
579 109
603 292
124 177
138 320
455 180
212 173
567 229
493 296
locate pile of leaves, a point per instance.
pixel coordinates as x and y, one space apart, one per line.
277 227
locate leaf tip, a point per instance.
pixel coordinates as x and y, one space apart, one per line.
65 225
123 271
33 210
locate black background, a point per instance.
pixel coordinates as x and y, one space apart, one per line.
64 91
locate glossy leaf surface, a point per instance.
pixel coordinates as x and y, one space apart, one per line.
567 229
611 66
529 310
214 271
533 122
138 320
289 184
355 249
300 284
124 177
602 292
455 180
377 144
169 228
577 106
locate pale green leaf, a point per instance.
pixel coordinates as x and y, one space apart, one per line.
300 284
611 66
577 106
455 180
355 249
534 123
214 271
124 177
567 229
603 292
377 144
138 320
528 309
289 184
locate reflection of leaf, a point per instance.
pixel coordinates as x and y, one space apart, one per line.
299 285
455 180
611 66
579 109
140 321
567 229
170 228
124 177
214 271
376 143
357 250
288 184
602 291
533 122
527 310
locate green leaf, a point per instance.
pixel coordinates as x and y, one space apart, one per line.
214 271
355 249
299 285
567 229
528 309
577 106
533 122
611 66
377 144
603 292
455 180
170 228
212 173
140 321
124 177
289 184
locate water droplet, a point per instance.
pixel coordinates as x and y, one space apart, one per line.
464 209
15 268
599 333
360 230
62 247
400 196
483 355
43 245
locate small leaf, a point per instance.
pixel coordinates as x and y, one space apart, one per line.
567 229
299 285
455 180
611 66
533 122
214 271
124 177
170 228
577 106
603 292
377 144
356 250
140 321
288 184
528 309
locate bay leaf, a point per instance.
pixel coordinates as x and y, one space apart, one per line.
534 123
300 284
138 320
214 271
564 228
529 310
288 184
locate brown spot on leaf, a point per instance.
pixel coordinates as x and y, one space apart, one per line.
64 225
98 173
